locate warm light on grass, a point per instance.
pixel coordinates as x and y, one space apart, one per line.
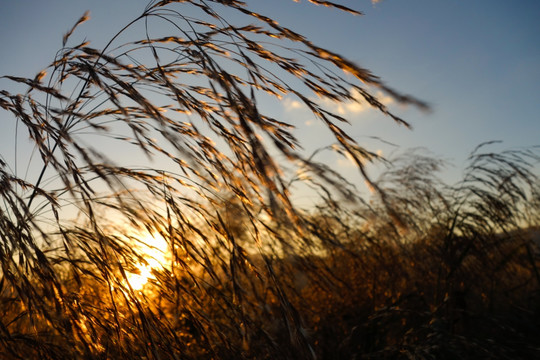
154 248
210 255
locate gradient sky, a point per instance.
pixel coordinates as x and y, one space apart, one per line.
476 62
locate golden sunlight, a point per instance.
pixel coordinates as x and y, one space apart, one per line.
154 248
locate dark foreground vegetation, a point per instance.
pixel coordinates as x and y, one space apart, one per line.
449 273
420 270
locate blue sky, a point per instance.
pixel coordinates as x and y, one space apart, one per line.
476 62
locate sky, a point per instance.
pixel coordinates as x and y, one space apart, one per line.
475 62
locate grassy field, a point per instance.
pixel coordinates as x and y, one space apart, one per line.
445 273
207 256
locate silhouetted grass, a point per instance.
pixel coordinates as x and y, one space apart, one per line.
422 270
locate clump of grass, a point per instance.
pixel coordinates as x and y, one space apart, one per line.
189 99
455 277
246 274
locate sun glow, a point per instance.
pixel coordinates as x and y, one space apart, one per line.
154 248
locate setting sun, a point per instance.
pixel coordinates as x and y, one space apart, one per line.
154 249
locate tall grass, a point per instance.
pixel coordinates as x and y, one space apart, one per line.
247 274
